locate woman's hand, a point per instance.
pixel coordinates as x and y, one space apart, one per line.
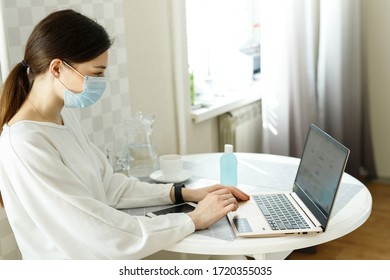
214 202
196 195
214 206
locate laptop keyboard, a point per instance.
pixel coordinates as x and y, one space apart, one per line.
280 212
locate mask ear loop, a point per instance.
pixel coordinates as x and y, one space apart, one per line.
67 64
56 74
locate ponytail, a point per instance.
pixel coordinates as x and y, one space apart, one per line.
13 95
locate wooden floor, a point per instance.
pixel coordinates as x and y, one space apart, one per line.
371 241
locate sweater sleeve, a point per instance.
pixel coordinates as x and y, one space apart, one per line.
120 190
129 192
54 214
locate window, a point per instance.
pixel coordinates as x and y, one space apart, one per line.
223 38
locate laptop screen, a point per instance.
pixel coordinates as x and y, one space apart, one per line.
319 174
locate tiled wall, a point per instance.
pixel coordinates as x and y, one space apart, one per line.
20 18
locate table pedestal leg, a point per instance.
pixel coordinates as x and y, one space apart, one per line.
272 256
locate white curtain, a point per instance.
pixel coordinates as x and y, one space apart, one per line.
311 72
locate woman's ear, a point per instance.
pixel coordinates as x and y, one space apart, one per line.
55 67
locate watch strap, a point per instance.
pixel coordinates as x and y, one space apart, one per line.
178 193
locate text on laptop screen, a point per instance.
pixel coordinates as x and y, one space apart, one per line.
319 172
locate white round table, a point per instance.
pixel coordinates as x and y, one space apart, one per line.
262 172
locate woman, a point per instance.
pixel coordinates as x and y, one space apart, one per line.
59 191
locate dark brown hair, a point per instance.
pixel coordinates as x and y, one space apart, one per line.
64 34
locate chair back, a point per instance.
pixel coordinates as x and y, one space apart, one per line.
8 248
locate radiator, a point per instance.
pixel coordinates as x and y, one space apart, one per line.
242 128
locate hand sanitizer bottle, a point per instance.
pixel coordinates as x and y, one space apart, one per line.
228 166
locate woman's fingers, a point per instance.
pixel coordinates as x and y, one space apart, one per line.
237 193
216 204
212 208
240 195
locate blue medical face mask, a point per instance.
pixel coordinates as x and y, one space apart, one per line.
93 89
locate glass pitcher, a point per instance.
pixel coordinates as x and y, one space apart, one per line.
133 141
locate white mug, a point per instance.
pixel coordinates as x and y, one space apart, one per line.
171 166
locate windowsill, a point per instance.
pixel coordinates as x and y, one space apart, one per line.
229 101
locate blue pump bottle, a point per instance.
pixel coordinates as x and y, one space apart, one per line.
228 167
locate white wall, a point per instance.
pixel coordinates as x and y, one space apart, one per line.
377 44
150 67
153 66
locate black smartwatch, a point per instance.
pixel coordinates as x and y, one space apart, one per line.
178 194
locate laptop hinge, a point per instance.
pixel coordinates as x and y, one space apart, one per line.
306 210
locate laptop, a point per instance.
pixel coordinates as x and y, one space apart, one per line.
307 208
